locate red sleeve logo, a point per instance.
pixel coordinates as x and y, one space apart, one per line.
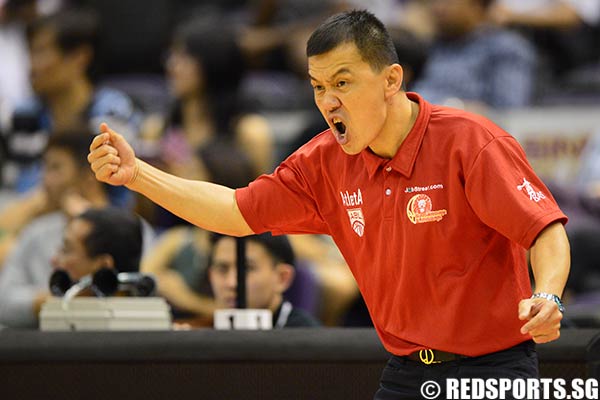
533 195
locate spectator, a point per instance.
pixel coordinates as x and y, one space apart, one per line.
62 52
565 31
270 271
180 259
100 238
481 65
69 189
204 69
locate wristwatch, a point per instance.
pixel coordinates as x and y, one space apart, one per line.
551 297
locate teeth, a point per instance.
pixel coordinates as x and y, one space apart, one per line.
339 125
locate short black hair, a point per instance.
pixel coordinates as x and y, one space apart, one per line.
116 232
360 27
75 142
74 28
279 247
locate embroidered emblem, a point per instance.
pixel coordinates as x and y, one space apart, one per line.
533 195
420 210
357 220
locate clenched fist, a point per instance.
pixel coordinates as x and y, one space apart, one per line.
112 159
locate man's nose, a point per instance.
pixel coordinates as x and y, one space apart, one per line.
331 102
231 278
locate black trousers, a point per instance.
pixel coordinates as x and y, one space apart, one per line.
402 378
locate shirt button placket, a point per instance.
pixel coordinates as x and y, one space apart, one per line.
388 201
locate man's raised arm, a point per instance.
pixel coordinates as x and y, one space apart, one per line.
207 205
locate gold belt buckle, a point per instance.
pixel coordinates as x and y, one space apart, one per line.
427 357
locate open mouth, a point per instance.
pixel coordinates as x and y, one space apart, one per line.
339 126
339 130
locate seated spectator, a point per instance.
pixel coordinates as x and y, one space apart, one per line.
62 53
69 189
204 70
100 238
66 187
479 65
180 258
565 31
270 272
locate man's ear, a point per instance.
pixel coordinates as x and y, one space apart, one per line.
104 261
393 80
285 276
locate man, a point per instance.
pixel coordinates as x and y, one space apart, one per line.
433 209
62 50
68 190
100 238
270 272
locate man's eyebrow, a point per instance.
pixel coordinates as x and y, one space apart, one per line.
340 71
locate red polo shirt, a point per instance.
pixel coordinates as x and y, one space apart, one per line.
435 237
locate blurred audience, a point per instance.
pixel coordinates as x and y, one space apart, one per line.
581 201
180 258
270 272
337 288
98 238
69 189
566 31
273 23
476 64
62 52
230 65
204 71
15 15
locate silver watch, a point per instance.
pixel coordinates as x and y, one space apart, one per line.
551 297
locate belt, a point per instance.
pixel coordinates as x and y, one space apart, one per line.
430 356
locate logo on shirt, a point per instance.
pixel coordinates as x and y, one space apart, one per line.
351 199
357 220
412 189
533 195
420 210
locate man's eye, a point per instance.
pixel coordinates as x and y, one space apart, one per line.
341 84
318 88
221 268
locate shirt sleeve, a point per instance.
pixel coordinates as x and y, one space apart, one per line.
507 195
283 202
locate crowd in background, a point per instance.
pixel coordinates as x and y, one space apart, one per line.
217 90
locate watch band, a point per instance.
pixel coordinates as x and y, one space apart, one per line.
551 297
